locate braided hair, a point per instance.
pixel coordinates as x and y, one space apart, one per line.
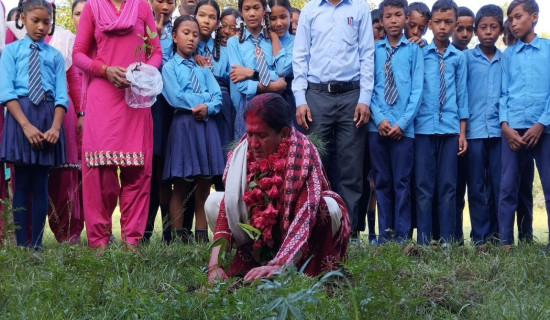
266 21
217 38
26 6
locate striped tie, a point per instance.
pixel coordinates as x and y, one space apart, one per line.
208 57
36 92
194 81
260 62
390 88
442 86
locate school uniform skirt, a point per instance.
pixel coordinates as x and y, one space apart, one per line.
162 119
193 149
225 120
15 146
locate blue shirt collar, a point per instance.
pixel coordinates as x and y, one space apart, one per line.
327 2
285 36
247 34
535 44
210 45
386 43
477 52
450 49
27 41
179 59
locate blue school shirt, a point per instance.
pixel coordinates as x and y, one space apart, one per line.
455 107
334 43
14 68
283 59
526 84
221 67
179 93
484 82
166 43
242 54
408 70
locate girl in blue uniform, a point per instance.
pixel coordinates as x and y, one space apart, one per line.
34 89
194 152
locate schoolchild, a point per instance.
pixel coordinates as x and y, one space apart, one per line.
418 17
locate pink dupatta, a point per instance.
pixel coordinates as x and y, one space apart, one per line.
107 20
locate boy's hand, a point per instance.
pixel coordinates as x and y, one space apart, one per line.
462 145
34 136
417 40
279 85
532 136
200 60
514 139
303 116
395 133
384 128
361 115
240 73
52 136
200 112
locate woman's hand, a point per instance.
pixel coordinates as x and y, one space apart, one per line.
34 136
240 73
200 112
79 124
52 135
200 61
117 76
216 274
261 272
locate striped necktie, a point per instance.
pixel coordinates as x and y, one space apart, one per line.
260 61
442 86
208 56
390 88
36 92
194 81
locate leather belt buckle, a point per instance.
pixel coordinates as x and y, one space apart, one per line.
330 88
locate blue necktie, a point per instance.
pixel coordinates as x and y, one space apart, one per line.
260 61
442 86
36 92
194 81
208 57
390 88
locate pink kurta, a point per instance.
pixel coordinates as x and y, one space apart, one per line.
114 133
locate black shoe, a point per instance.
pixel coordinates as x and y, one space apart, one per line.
201 235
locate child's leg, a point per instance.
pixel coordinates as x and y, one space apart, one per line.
494 167
542 157
371 210
134 201
402 159
381 170
478 191
21 193
460 194
179 201
424 175
201 193
39 204
525 203
447 170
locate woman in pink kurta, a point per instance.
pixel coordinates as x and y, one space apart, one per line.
115 135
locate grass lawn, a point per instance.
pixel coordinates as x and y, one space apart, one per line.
169 282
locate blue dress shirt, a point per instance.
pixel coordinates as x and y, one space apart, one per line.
283 60
526 84
166 43
179 93
221 66
14 68
408 70
484 82
334 43
455 107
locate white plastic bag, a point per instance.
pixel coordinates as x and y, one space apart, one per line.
146 85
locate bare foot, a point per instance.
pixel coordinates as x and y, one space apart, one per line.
101 249
130 247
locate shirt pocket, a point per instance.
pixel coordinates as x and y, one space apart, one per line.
348 30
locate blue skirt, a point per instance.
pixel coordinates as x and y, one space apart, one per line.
225 120
17 149
193 149
162 114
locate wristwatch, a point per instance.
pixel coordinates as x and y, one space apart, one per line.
256 76
80 114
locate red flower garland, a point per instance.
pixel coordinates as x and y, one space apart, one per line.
265 184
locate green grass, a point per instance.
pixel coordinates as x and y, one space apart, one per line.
169 282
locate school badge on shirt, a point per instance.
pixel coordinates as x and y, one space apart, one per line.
258 51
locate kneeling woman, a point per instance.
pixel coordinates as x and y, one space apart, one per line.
275 183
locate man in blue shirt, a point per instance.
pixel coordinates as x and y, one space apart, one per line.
333 67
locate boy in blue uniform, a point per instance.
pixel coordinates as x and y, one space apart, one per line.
440 127
483 130
524 112
399 67
418 17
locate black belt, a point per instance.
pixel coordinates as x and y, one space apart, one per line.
335 87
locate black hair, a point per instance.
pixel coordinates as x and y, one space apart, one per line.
272 109
75 3
292 10
466 12
25 6
286 5
419 7
444 6
11 12
266 21
179 20
217 38
376 16
394 3
230 12
490 10
530 6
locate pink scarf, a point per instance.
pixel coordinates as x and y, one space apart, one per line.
108 20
